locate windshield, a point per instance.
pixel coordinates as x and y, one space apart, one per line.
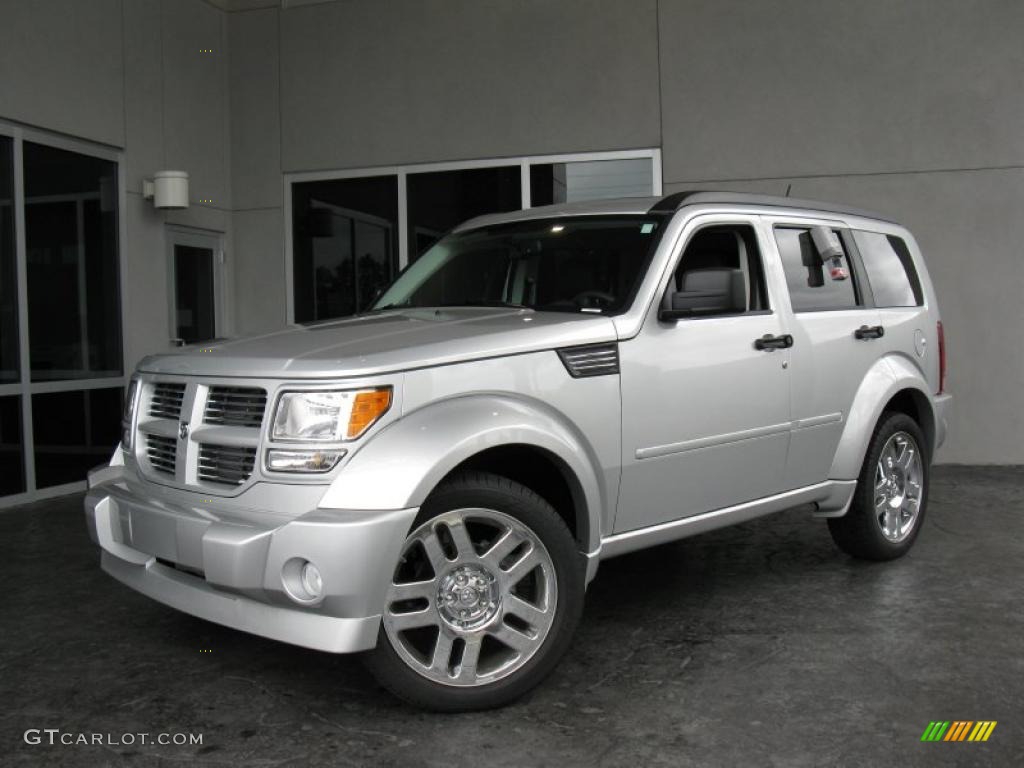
574 264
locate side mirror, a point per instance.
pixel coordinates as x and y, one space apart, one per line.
706 292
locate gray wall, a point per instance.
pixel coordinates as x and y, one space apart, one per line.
129 74
911 107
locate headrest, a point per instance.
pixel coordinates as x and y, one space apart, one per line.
708 279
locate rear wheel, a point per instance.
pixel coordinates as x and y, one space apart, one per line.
484 600
888 505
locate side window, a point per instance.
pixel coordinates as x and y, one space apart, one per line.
714 251
890 269
813 284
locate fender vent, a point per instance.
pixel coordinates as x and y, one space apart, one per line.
591 360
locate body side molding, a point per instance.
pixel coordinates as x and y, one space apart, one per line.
832 493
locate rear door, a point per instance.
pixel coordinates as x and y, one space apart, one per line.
898 293
834 326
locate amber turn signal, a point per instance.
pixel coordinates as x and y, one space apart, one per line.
367 408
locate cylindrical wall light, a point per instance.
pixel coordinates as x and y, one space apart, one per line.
168 189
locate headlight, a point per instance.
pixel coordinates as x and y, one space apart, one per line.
128 413
328 417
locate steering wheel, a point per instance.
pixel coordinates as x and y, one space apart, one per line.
593 299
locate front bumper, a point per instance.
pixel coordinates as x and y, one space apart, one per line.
226 564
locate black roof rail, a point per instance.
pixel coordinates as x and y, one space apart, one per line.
672 203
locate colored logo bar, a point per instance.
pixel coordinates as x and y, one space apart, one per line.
958 730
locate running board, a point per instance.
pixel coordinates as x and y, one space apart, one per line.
833 495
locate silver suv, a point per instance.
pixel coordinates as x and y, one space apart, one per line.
436 481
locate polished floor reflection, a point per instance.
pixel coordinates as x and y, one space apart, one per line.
755 645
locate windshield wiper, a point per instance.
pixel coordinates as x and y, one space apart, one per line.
392 305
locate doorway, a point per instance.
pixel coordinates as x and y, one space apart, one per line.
195 277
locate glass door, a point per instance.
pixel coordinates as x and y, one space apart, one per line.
195 272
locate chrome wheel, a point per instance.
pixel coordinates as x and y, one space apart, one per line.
899 476
473 597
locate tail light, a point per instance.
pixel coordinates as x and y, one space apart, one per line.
942 357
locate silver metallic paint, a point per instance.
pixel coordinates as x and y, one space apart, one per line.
470 379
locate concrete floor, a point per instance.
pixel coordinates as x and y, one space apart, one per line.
756 645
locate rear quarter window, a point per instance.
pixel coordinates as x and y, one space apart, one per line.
890 268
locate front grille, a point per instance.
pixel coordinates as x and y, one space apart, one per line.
235 406
162 453
225 464
165 401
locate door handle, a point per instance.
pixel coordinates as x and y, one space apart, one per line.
769 342
869 332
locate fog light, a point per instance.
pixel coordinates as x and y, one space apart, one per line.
303 461
311 581
302 581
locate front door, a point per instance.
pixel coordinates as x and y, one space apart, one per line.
195 277
705 412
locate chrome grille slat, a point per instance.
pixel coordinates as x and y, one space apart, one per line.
162 453
165 400
235 406
226 464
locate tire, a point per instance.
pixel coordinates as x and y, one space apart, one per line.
484 600
888 507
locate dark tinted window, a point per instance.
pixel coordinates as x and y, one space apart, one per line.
9 366
71 246
890 268
581 264
12 463
194 293
73 432
810 280
344 244
439 200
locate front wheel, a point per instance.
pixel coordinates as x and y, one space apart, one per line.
486 595
889 502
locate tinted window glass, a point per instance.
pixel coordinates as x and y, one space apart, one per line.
890 269
811 284
73 432
12 463
71 247
8 278
584 264
590 180
344 244
439 200
194 293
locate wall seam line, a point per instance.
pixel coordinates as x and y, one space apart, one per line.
850 174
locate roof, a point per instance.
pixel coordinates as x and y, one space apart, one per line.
676 201
664 205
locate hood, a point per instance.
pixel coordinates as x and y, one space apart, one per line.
388 342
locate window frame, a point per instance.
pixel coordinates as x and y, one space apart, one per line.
403 171
25 388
